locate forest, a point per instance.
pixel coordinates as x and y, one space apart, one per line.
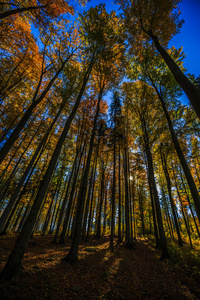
100 165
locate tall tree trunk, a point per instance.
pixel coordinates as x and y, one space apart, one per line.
88 201
163 242
7 130
65 200
10 160
188 175
131 197
169 222
105 211
20 10
15 200
190 206
182 209
189 88
55 193
72 256
24 216
113 192
98 234
154 214
119 240
141 211
29 169
128 240
18 217
165 169
13 264
70 202
91 206
14 135
6 186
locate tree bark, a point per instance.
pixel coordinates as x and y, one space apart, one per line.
164 165
188 175
165 253
128 240
154 214
14 135
119 240
189 88
13 264
98 234
70 202
20 10
72 256
37 153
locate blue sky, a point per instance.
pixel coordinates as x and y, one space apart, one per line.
189 36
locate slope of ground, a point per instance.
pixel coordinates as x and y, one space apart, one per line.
124 274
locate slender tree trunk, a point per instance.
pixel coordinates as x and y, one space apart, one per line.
190 206
17 218
14 201
70 202
98 234
128 241
189 88
131 197
49 212
105 211
165 254
141 211
24 216
88 199
47 219
113 192
154 215
28 170
65 201
53 223
182 209
188 175
170 225
119 240
72 256
54 214
20 10
6 186
14 135
165 169
13 265
9 163
91 207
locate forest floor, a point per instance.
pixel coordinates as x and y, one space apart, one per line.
124 274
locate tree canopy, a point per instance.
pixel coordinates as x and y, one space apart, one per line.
70 164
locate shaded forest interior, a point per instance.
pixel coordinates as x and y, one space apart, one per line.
97 201
100 274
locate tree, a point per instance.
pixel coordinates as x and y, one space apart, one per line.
13 265
166 88
148 20
140 102
40 10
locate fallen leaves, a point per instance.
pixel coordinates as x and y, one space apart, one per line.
124 274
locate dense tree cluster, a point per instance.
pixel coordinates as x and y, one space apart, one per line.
69 165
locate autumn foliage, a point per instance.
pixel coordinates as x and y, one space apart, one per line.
71 166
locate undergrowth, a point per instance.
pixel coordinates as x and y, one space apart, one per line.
184 257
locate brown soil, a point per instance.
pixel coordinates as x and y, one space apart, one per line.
124 274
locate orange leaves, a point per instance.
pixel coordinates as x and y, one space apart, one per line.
157 17
57 7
